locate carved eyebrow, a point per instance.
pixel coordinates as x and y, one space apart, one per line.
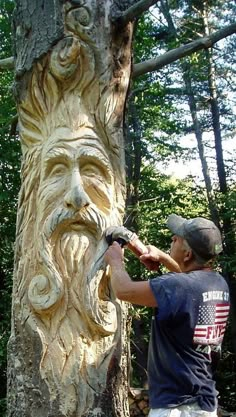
95 154
56 152
88 151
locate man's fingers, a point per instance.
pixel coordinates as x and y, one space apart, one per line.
151 265
144 257
148 257
116 244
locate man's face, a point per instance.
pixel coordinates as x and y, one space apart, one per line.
177 250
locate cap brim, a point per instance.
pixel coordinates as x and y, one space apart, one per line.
175 224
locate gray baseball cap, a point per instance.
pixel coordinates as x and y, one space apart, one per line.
202 235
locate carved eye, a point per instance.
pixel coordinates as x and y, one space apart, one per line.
57 169
98 191
96 181
92 170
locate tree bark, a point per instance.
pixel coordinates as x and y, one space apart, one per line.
215 111
68 350
133 12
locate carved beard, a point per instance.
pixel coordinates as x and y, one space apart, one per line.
71 250
79 258
73 255
77 320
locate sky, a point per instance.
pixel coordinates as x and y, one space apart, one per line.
192 167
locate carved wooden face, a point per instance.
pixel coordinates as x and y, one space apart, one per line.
69 288
75 173
75 205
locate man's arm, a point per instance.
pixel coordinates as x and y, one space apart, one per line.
124 288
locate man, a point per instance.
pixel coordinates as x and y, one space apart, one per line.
191 308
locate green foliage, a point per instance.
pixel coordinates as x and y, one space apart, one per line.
6 9
9 186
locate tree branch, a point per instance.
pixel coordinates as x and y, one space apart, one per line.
7 64
165 59
177 53
134 11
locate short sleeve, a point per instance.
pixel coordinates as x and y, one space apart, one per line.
169 295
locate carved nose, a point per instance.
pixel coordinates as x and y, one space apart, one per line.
76 197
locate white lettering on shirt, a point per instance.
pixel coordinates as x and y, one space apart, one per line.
215 295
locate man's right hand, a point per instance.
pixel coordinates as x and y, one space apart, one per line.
155 256
152 258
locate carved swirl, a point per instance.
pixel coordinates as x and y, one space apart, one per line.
42 295
79 19
46 290
73 59
81 15
102 311
65 58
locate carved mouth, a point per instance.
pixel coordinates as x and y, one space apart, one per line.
86 219
82 226
77 226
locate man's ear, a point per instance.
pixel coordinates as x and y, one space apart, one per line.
188 256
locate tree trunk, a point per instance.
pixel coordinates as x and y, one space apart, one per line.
139 346
201 151
215 109
196 124
228 226
215 115
68 351
133 163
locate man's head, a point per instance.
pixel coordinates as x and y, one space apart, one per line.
202 236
